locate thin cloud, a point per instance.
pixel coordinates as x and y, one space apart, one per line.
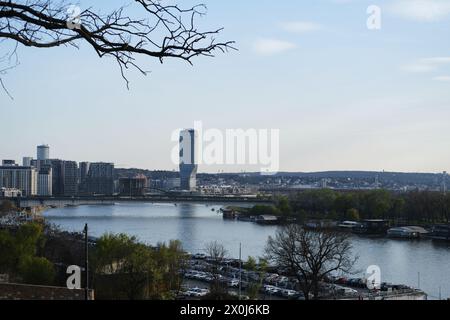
301 26
442 78
421 10
269 47
427 65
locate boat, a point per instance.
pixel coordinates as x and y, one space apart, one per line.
348 225
440 232
410 232
246 218
372 227
266 220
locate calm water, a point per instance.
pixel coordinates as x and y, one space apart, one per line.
195 225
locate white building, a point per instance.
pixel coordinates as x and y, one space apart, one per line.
45 182
22 178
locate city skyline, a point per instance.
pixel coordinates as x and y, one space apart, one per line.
32 159
343 97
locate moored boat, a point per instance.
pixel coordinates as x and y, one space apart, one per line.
440 232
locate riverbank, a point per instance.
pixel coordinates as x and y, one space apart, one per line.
196 224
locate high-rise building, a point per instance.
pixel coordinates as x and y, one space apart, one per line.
43 152
26 161
21 178
64 177
45 181
57 179
83 173
70 178
100 178
188 166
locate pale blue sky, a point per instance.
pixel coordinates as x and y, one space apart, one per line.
344 97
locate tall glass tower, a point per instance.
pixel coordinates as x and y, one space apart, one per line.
188 165
43 152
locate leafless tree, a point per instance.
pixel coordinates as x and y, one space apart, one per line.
310 255
165 31
217 254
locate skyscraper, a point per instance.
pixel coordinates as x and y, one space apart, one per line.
43 152
70 178
188 166
45 181
100 179
64 177
83 174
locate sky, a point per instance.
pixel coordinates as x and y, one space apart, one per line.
342 96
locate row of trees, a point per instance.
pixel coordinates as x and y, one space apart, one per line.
418 206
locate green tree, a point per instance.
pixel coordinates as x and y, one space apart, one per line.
352 214
8 258
254 288
125 268
250 264
283 206
37 270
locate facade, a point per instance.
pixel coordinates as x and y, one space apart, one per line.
21 178
133 186
64 177
188 166
57 178
70 178
43 152
100 178
171 183
26 161
45 182
83 174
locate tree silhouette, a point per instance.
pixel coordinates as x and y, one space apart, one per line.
167 31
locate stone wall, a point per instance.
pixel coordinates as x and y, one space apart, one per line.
14 291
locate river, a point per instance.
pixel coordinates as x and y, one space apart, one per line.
415 263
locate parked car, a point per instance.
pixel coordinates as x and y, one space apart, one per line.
288 293
199 256
233 283
197 292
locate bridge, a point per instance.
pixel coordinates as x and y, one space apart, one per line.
28 202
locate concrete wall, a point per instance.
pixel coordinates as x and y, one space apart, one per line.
14 291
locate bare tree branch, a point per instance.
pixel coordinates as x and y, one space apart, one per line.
168 31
